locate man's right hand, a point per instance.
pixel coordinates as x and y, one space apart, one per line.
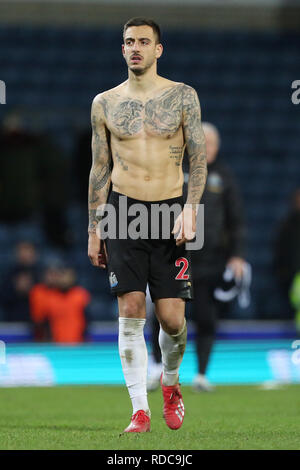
97 251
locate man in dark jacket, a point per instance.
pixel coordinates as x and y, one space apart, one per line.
224 244
17 282
224 240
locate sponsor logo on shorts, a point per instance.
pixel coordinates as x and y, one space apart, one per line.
113 280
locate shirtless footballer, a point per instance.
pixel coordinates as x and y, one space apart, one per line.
142 127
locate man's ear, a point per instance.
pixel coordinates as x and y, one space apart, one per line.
123 49
159 50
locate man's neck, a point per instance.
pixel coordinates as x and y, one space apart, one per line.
142 84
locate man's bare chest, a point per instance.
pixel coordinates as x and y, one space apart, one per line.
159 116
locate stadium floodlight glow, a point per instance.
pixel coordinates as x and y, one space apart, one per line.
2 92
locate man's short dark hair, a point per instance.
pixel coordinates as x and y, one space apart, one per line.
139 21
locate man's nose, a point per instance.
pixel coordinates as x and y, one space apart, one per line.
136 46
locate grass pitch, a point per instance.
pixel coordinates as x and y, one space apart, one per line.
92 417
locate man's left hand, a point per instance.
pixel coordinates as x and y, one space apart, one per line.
185 225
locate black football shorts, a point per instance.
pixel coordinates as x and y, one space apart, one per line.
149 256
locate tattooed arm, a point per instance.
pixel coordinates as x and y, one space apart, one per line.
100 176
185 224
100 173
195 145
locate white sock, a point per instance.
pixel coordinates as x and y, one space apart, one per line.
134 359
172 350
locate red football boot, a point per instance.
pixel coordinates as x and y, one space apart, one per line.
173 405
140 422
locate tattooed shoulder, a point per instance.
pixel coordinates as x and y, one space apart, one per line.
189 96
100 105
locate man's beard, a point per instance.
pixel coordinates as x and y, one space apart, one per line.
141 71
138 72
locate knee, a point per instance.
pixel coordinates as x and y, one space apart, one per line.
173 326
132 308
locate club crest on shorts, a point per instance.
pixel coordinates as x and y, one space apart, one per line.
113 280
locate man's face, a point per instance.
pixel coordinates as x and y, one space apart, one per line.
66 278
212 144
140 49
51 277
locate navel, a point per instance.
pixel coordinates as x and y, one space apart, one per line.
147 178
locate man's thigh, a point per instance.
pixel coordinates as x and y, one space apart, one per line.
127 264
170 271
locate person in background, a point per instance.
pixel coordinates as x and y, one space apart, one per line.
18 282
287 256
58 306
40 299
32 180
224 246
27 256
